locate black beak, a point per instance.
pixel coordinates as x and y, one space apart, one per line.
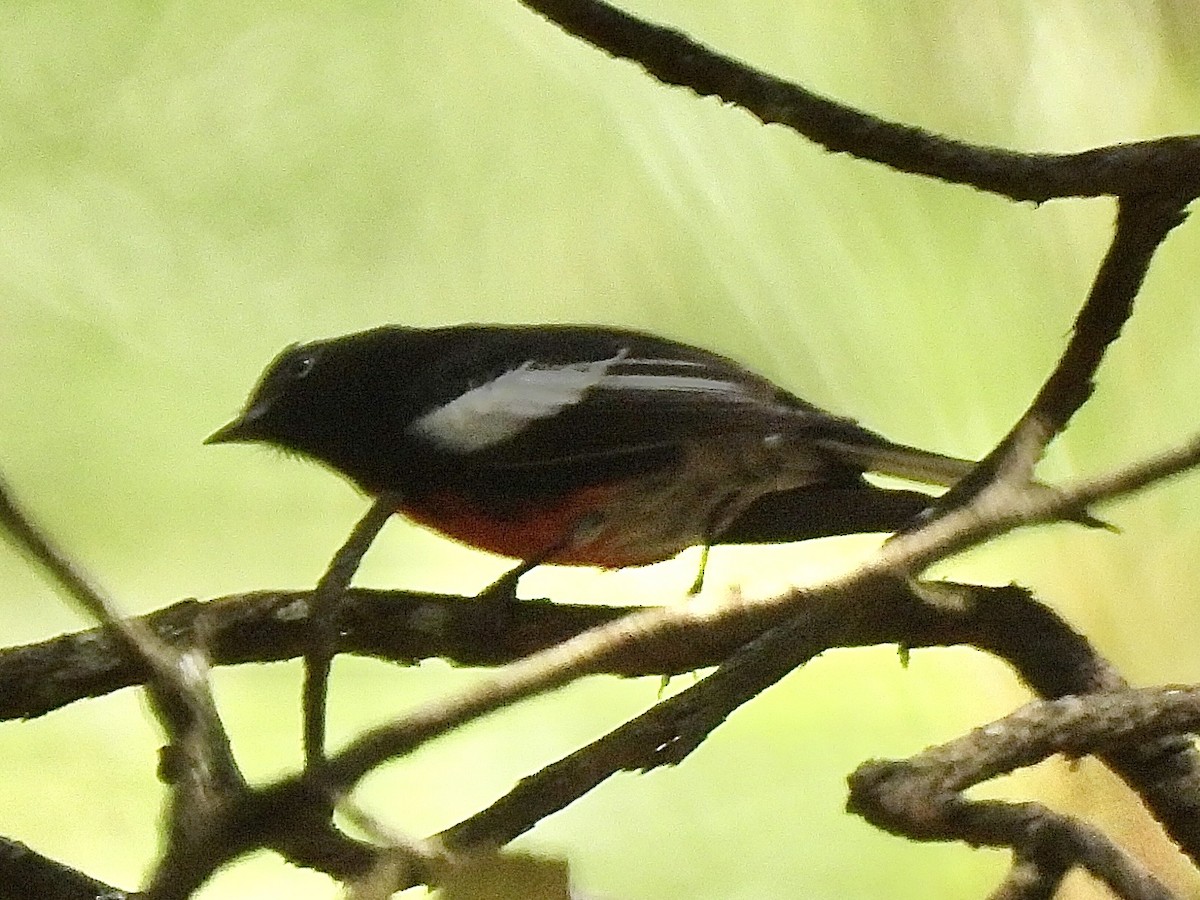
237 430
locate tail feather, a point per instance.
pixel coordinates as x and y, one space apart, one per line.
900 461
825 510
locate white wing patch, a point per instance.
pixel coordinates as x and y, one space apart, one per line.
505 406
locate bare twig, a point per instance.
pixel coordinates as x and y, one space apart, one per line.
960 528
198 762
1051 658
323 624
403 853
1143 223
1168 165
922 797
174 683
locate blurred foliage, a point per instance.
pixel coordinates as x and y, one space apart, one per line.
189 187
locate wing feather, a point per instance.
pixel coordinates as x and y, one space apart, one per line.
617 401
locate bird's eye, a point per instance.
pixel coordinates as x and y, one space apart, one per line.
301 366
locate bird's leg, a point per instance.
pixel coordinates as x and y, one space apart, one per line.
500 597
498 601
503 590
719 519
698 584
695 589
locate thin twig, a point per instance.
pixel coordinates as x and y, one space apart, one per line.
323 625
173 687
1170 164
1143 223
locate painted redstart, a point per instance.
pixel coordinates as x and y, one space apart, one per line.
580 445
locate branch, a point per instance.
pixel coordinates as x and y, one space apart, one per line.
176 684
922 797
1143 223
270 626
324 621
1051 658
868 608
1171 165
26 875
409 626
198 762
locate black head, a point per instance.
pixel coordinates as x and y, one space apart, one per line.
343 401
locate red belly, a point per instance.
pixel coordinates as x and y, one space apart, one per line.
532 530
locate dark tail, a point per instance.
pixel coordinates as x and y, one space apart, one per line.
825 510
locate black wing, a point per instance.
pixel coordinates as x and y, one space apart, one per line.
600 395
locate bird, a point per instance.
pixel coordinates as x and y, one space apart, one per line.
580 445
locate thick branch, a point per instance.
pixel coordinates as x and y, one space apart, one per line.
26 875
1050 657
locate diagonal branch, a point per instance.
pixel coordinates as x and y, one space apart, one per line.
26 875
323 623
1046 653
198 763
1170 164
1143 223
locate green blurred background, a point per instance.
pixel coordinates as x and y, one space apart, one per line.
187 188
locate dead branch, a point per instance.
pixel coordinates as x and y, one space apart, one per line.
215 817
